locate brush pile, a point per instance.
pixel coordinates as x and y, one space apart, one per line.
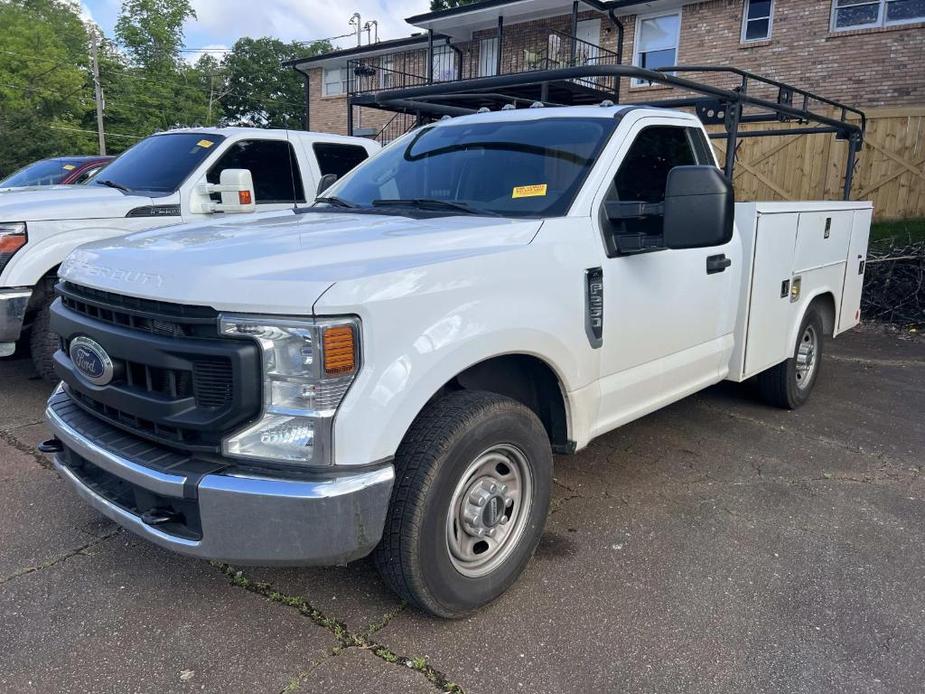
894 282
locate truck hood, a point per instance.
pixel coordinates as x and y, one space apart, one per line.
282 264
49 203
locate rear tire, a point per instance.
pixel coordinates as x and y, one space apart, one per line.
789 384
42 342
469 504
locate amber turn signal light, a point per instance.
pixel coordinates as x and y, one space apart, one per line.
244 197
339 350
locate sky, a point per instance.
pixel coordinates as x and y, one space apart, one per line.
220 22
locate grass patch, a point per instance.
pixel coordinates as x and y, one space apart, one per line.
902 230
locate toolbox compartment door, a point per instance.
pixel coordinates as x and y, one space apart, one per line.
849 312
770 312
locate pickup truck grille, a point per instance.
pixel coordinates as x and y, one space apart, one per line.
175 381
155 317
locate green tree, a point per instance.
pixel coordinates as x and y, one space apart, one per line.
151 31
257 90
45 89
436 5
155 90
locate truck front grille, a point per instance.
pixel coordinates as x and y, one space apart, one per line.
175 381
146 315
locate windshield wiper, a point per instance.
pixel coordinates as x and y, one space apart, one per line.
434 204
113 184
334 200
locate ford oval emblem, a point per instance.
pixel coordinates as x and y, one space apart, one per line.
91 360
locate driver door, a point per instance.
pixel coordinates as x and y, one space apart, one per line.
668 318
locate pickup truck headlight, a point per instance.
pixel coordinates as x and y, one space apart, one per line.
308 365
13 236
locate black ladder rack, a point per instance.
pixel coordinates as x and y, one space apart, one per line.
713 104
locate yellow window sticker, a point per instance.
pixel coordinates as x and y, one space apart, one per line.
68 167
205 144
534 191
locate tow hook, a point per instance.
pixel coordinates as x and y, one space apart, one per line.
52 445
160 516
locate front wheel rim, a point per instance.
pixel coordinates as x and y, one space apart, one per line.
489 510
807 357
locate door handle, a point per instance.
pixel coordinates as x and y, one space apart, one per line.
717 263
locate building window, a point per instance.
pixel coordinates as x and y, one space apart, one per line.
488 57
756 20
865 14
335 81
444 64
387 72
656 42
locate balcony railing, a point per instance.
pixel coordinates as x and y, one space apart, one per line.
522 50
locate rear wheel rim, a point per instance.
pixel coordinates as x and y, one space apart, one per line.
489 510
806 359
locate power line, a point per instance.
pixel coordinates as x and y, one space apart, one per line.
27 88
93 132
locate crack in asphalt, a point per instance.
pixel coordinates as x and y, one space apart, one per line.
555 505
345 638
8 438
373 627
296 681
57 560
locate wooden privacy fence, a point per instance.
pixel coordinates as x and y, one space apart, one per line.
890 167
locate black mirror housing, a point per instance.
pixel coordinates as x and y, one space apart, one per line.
326 182
699 207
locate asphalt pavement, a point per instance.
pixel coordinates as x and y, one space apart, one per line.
718 545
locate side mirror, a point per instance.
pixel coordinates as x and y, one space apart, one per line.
699 207
326 182
236 187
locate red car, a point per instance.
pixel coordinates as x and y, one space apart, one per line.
56 171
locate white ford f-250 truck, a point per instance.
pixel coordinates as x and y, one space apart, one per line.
391 370
158 182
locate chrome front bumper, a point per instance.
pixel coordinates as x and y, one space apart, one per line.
246 520
13 304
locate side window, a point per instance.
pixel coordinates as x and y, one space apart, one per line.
273 166
642 177
338 159
86 175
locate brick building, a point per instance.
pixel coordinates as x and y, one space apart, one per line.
862 52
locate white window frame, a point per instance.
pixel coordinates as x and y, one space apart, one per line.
637 30
445 66
487 69
745 20
325 82
386 71
880 22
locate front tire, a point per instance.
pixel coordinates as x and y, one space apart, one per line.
469 503
42 342
789 384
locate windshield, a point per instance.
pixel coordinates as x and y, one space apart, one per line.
160 163
42 173
530 168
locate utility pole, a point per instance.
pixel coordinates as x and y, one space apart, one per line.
211 91
98 90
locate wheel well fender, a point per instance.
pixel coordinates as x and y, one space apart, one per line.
824 302
527 379
43 288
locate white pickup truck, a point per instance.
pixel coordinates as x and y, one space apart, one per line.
156 183
392 369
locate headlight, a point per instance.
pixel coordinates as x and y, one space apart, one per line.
12 237
308 365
